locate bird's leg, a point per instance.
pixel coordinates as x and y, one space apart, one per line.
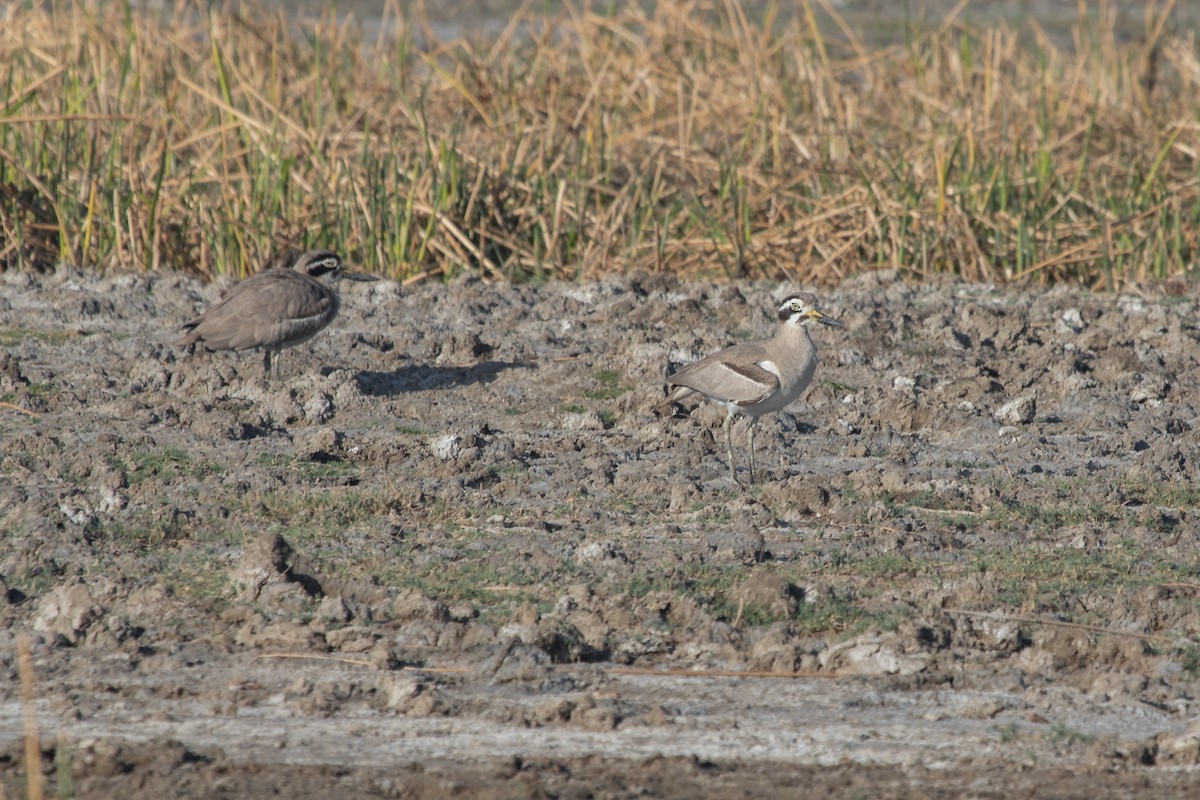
729 446
267 363
752 421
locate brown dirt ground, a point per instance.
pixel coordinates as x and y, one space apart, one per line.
452 551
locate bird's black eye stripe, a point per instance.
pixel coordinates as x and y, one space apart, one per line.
325 266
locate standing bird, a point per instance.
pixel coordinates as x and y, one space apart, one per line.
756 378
274 309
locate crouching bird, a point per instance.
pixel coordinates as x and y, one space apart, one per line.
274 309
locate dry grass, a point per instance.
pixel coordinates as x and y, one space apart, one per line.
33 749
689 139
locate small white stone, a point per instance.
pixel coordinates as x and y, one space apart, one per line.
1149 390
446 447
112 500
1018 411
319 407
586 421
78 509
1071 321
598 551
1131 304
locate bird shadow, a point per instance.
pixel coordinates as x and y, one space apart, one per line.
794 425
418 378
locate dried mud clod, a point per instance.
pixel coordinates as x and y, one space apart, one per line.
11 378
265 573
67 613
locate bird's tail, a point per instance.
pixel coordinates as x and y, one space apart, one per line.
673 393
189 338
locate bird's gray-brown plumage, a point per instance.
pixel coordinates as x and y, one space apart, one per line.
273 309
756 378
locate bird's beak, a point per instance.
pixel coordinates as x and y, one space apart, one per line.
823 319
359 276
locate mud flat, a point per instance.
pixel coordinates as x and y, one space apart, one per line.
453 551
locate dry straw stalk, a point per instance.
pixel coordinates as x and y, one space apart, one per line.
691 138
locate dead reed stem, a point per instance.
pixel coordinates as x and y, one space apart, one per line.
691 137
33 747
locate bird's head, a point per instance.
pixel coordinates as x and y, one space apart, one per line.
319 264
327 265
801 309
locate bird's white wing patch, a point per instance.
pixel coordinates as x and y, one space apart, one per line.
770 367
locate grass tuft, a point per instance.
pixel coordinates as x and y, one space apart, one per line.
685 136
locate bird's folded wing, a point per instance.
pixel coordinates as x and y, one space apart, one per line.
731 382
758 382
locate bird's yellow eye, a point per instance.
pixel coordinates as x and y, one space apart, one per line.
797 307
